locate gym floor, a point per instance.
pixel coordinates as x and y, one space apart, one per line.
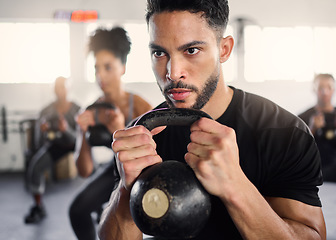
15 202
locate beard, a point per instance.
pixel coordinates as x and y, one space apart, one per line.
203 95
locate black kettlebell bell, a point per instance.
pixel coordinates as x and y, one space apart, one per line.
99 135
167 200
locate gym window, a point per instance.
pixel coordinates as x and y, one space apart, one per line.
288 53
34 52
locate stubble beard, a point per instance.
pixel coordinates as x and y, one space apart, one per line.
203 95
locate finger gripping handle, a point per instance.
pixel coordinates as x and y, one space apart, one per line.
167 200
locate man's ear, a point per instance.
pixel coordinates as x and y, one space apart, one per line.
226 46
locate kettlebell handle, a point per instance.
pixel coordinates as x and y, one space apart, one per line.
170 117
167 200
97 105
99 135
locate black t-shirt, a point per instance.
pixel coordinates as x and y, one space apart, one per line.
277 153
325 137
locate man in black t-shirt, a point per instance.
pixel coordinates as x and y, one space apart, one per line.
321 120
259 163
270 142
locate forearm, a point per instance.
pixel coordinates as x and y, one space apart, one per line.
255 218
116 222
84 162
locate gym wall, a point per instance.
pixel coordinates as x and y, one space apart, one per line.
291 95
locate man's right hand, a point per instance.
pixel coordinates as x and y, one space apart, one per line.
135 150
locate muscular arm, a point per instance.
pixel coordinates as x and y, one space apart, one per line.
305 220
116 222
273 218
135 150
214 156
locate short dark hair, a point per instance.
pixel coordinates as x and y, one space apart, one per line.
323 75
115 40
216 12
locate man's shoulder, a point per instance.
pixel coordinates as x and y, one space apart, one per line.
308 111
260 112
48 109
306 115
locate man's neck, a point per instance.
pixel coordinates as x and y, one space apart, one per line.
220 101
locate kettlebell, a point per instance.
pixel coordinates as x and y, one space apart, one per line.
53 132
99 135
167 200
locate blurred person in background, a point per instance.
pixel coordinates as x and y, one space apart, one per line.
56 137
110 49
321 120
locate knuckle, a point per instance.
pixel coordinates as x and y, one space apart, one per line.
144 138
116 134
140 128
156 159
148 160
127 167
148 148
193 136
116 145
211 154
122 155
219 141
203 122
199 123
230 132
191 147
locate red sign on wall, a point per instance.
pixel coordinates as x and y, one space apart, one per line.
77 15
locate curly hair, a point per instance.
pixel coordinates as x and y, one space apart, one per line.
216 12
115 40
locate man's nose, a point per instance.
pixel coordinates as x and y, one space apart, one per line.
175 69
100 75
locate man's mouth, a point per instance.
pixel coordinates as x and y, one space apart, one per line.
179 94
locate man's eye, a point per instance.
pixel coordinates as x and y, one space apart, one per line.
158 54
192 51
108 68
